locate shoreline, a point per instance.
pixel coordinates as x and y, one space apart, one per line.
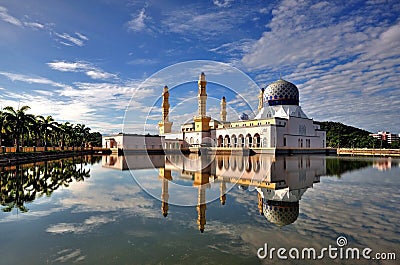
368 152
30 157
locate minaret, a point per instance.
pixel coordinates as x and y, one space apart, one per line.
223 109
202 95
202 121
165 176
165 125
261 99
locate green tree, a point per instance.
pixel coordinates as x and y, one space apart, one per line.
341 135
395 144
94 139
82 133
47 125
67 134
18 122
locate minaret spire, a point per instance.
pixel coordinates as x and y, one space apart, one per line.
165 104
202 121
165 125
223 109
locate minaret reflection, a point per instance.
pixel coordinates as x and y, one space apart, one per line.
202 182
222 189
165 176
260 204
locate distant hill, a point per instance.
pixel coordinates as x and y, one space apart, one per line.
341 135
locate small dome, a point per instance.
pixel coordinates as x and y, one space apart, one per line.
281 92
281 213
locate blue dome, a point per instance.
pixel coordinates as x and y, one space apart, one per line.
281 92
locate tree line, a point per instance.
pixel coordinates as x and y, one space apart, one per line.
339 135
19 128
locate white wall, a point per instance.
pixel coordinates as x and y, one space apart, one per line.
197 137
299 133
131 142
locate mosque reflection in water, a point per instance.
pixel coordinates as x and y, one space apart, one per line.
280 181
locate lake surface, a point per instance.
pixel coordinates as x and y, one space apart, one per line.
198 209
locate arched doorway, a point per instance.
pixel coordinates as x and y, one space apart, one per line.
233 141
249 140
227 141
240 140
220 141
257 140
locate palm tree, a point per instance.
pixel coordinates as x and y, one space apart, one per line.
66 134
55 134
18 123
35 131
82 132
47 125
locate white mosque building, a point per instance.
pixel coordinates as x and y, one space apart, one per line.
280 126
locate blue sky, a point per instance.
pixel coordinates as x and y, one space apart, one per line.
84 61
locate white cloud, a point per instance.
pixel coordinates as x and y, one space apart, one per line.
98 105
81 66
32 79
68 67
191 22
305 32
81 36
63 38
143 61
99 75
69 40
223 3
6 17
34 25
138 23
346 60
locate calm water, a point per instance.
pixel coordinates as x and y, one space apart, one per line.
196 210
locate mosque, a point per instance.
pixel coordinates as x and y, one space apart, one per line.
280 126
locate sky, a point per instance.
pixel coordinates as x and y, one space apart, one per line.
90 61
